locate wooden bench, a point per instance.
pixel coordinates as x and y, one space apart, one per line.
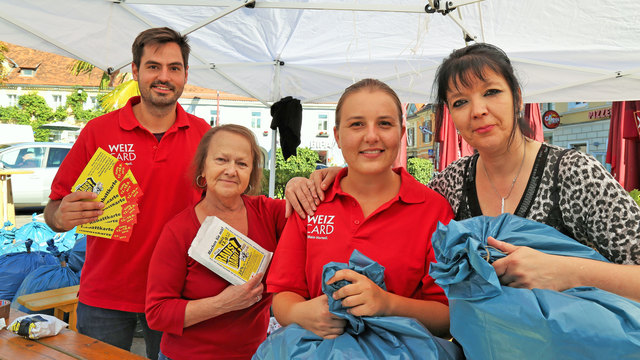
63 300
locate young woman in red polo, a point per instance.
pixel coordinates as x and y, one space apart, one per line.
382 212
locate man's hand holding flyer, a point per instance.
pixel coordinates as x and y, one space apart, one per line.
113 182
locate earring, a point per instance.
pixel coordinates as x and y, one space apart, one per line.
458 131
198 181
248 190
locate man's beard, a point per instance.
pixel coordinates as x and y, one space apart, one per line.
155 99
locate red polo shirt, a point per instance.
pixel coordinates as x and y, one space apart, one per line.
397 235
114 275
175 279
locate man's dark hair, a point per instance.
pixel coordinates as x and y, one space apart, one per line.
163 36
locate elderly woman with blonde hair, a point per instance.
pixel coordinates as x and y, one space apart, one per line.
200 313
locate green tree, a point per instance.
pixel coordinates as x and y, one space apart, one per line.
38 112
302 164
421 169
635 194
32 110
13 115
119 95
80 67
36 107
76 101
3 75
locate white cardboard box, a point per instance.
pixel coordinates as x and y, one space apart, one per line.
227 252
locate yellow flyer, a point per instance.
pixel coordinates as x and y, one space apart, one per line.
115 185
228 252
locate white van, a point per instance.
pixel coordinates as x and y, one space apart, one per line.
43 160
13 134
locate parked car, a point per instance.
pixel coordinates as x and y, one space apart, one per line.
44 159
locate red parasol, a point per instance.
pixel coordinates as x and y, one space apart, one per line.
401 159
623 150
532 113
448 139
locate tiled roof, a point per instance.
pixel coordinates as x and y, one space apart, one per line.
53 70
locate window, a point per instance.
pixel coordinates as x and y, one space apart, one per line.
577 105
255 119
57 101
322 122
13 99
23 158
93 103
411 136
27 72
213 120
426 132
322 126
548 106
580 146
56 155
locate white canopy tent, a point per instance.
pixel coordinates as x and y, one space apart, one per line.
312 49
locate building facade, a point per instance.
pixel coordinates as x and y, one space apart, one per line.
420 129
49 75
580 125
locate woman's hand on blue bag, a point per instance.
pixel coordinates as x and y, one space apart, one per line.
524 267
362 297
319 320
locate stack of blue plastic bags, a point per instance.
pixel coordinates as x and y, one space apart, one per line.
492 321
34 258
365 337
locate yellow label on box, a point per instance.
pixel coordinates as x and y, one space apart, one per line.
228 252
235 255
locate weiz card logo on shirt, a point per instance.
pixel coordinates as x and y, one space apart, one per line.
123 152
320 225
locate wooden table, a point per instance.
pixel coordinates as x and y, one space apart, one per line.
67 345
7 210
62 300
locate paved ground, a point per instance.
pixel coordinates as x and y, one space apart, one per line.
24 217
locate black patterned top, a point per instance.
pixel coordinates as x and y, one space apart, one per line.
593 208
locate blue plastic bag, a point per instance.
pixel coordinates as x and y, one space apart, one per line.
47 277
14 267
7 238
76 254
37 231
492 321
388 337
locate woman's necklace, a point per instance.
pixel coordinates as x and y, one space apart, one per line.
524 153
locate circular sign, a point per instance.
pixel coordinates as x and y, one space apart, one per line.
551 119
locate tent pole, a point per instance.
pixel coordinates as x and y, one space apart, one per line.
274 133
215 17
272 163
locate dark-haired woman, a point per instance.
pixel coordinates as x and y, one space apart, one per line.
511 173
200 314
566 189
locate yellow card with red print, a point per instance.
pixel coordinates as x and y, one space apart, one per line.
115 185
